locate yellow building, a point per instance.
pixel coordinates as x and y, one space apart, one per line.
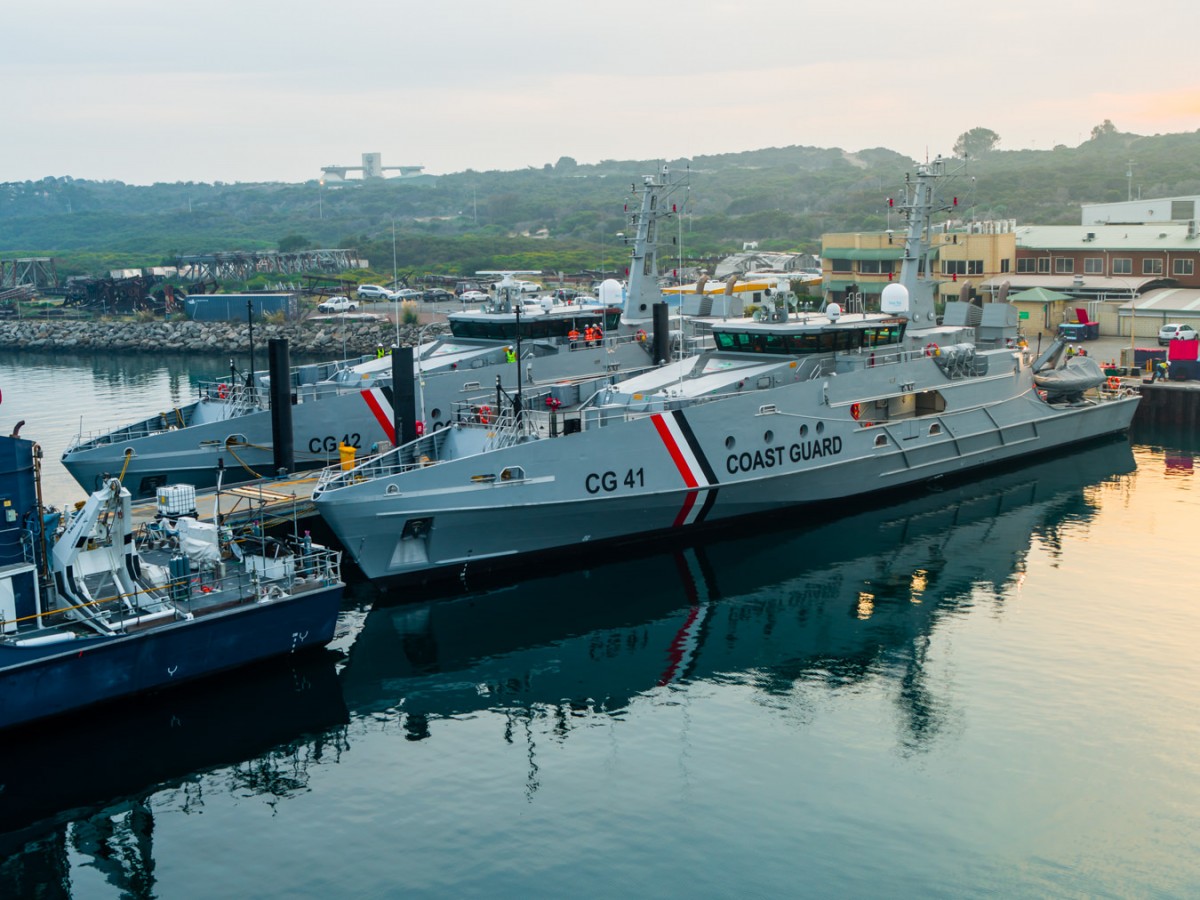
857 266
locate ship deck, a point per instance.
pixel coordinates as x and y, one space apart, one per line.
270 501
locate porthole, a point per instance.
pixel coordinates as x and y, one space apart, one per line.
768 436
730 443
803 431
820 428
435 414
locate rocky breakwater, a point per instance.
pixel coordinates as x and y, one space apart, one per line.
324 337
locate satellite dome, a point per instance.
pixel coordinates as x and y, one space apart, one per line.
894 299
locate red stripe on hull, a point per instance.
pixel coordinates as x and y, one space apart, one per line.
668 440
384 420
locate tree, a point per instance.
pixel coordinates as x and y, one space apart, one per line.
1103 130
976 142
293 243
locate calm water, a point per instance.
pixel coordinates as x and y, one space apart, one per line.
989 689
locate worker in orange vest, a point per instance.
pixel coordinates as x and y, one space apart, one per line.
573 337
589 335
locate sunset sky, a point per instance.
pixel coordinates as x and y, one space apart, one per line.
250 91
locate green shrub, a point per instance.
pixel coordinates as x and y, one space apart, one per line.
408 313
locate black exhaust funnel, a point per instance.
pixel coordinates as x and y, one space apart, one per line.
282 439
404 395
662 333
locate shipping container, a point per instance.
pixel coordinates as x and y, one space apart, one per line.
232 307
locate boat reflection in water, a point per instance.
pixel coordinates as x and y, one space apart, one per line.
835 603
828 604
82 786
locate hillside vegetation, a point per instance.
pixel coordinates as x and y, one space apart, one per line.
566 216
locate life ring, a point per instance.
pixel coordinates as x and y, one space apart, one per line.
222 391
855 411
485 414
932 349
1114 383
641 336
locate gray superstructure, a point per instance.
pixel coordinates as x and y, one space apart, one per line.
785 411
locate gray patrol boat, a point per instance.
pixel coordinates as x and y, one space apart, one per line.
786 410
226 431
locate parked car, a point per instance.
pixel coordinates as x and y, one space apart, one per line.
436 295
337 304
373 292
406 294
529 287
1176 332
463 286
473 297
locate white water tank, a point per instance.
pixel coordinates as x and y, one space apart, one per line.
176 500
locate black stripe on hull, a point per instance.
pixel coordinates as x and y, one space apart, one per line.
688 435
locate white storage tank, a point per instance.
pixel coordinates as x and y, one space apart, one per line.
175 500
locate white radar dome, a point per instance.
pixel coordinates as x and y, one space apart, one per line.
833 311
894 299
611 292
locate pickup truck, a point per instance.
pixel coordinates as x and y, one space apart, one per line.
337 304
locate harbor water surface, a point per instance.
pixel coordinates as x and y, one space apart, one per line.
979 688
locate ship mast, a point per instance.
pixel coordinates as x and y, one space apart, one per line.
643 291
919 204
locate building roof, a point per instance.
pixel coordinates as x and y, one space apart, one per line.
1142 238
758 260
1092 284
1166 300
1038 295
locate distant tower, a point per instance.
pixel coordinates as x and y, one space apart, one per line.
372 167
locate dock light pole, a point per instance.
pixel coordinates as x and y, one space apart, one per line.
1132 314
394 279
250 323
517 398
420 371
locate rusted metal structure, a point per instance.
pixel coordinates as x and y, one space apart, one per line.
36 271
113 296
242 265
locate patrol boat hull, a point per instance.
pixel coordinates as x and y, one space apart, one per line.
152 453
677 469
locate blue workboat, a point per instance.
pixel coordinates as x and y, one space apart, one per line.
95 607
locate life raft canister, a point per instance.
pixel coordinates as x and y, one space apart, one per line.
855 411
